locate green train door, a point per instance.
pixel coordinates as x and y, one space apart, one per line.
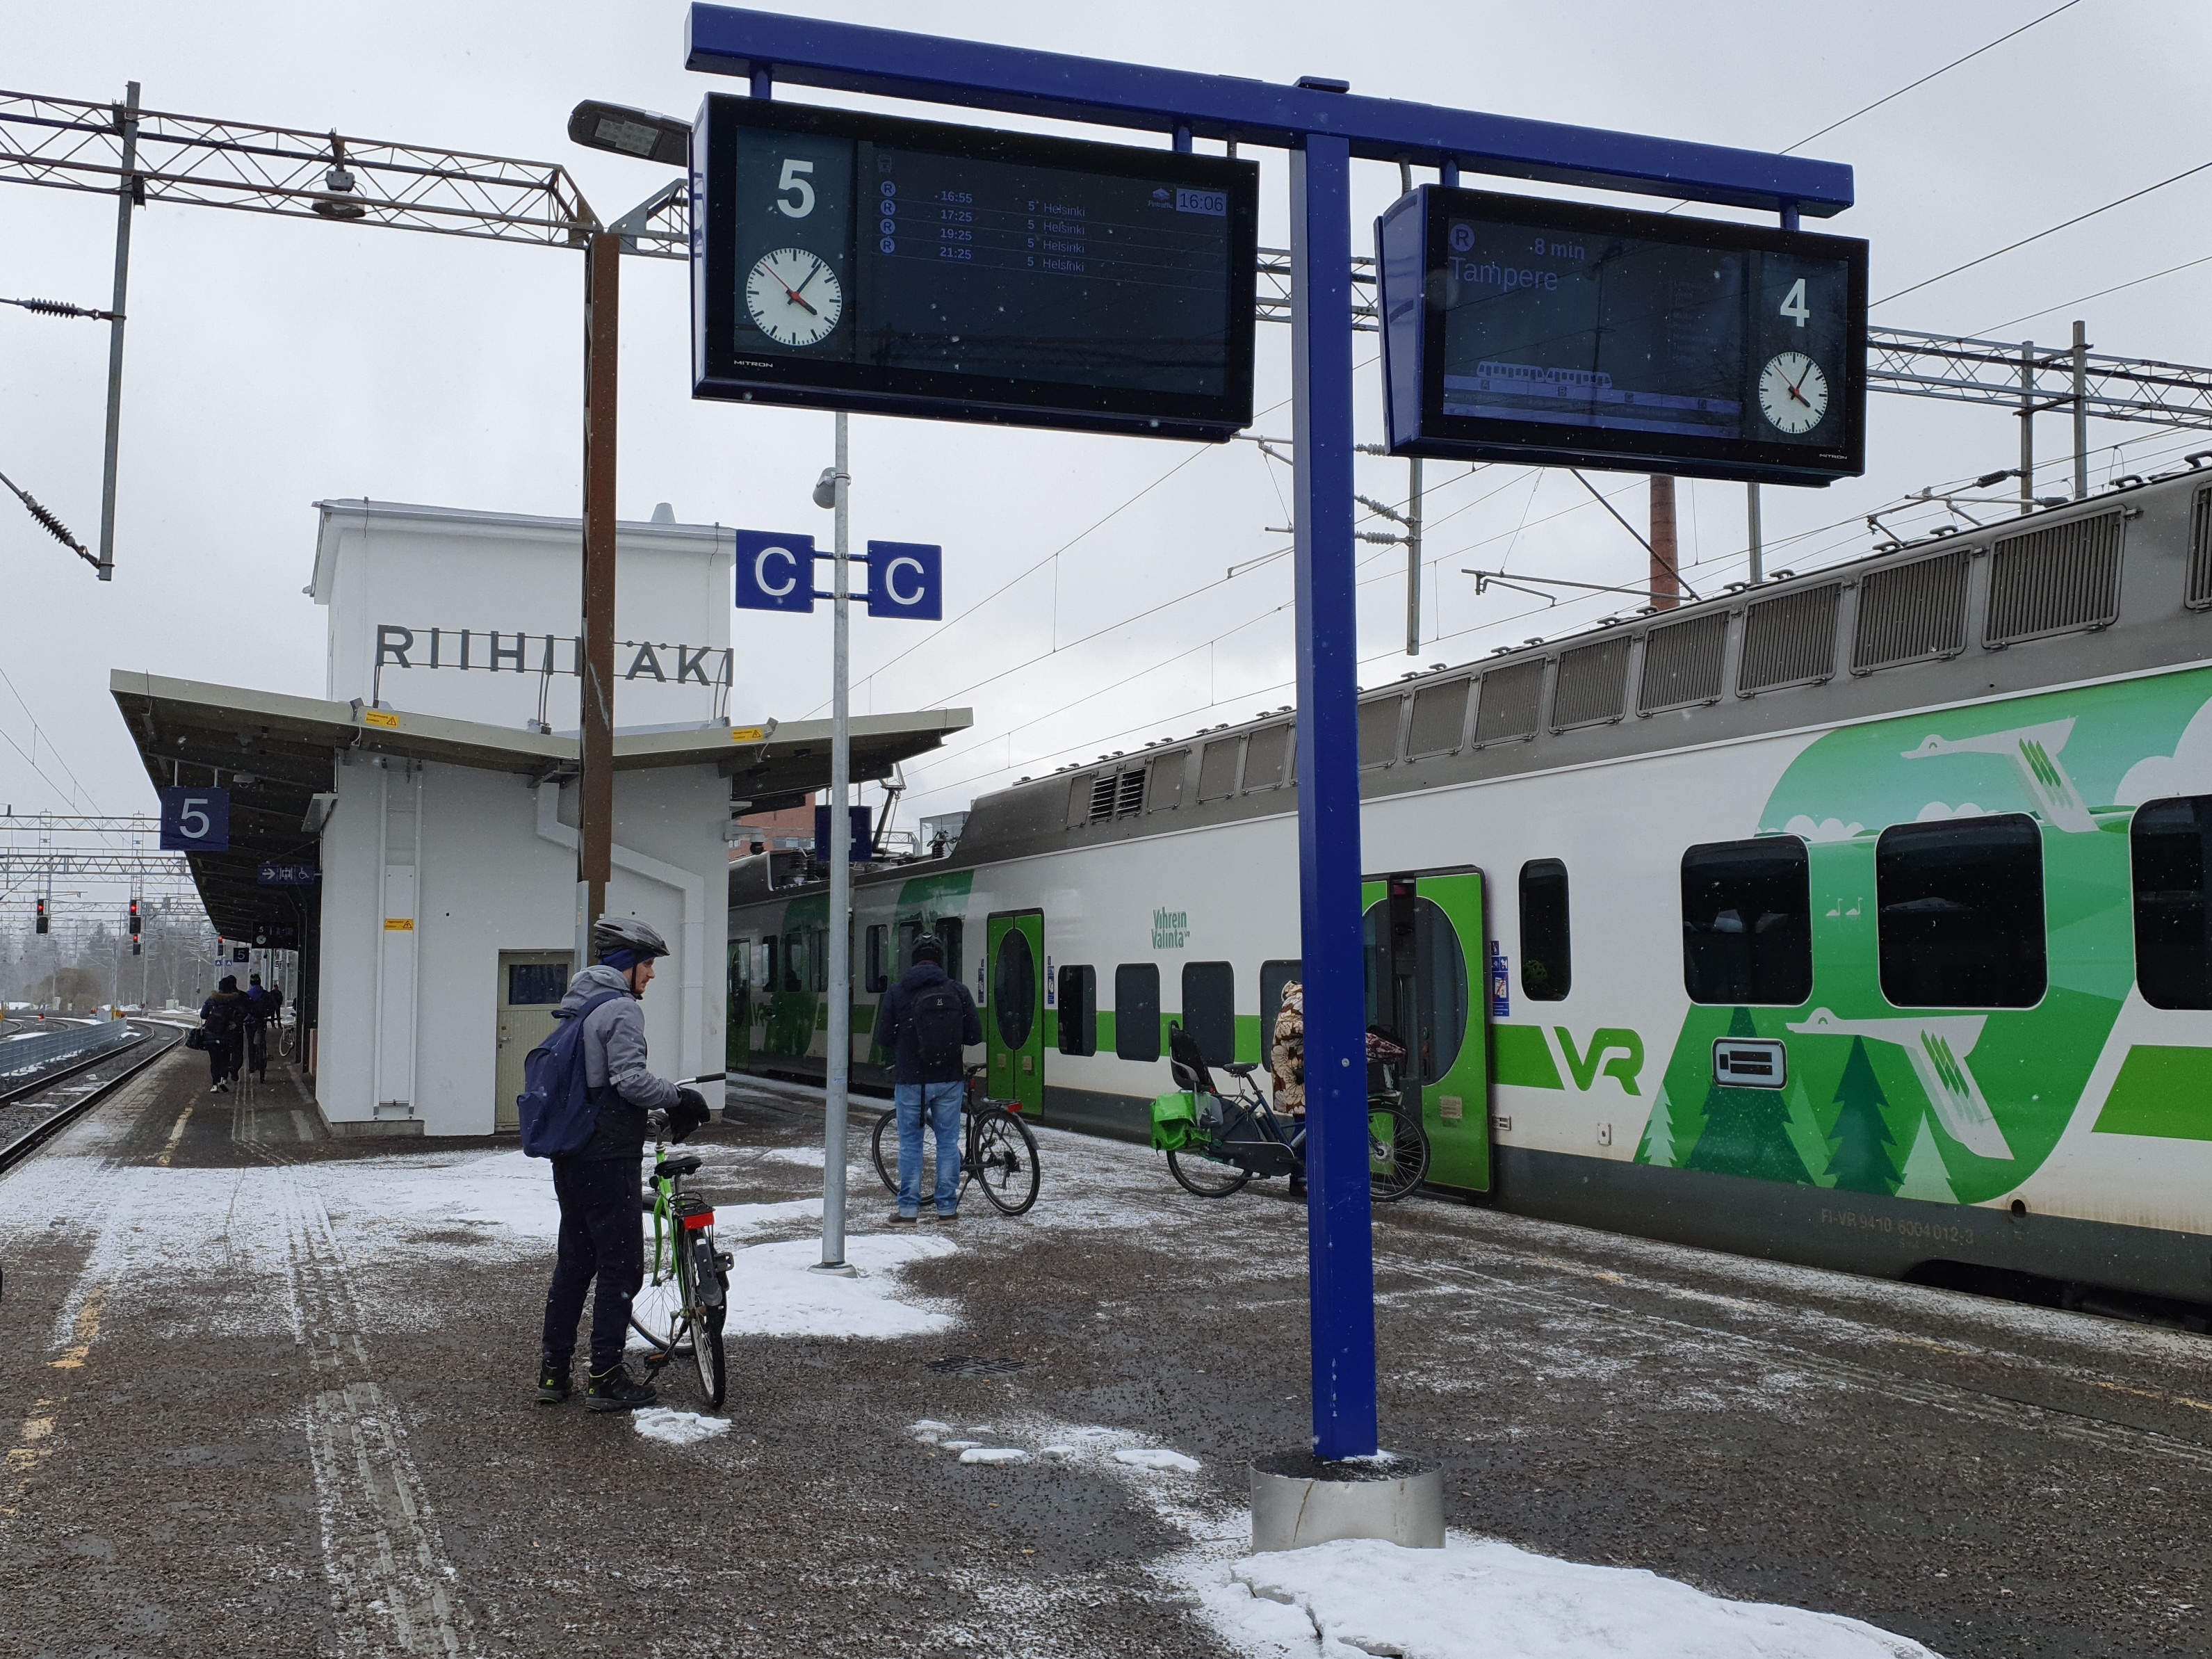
737 1028
1013 1024
1418 932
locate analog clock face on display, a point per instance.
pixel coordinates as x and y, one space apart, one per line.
1792 392
795 298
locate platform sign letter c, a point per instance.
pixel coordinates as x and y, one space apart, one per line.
775 572
906 579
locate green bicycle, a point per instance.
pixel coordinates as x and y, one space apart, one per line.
680 1309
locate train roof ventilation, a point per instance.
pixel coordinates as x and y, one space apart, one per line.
2058 580
1440 719
1507 711
1682 664
1911 612
1593 684
1790 640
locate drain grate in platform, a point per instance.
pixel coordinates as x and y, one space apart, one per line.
967 1365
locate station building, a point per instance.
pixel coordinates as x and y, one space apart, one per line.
432 788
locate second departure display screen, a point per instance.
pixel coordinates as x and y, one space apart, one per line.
1642 337
862 262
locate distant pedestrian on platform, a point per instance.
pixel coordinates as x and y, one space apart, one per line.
222 1017
262 1009
601 1188
925 1022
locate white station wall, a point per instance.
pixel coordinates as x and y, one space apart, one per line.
423 566
408 1014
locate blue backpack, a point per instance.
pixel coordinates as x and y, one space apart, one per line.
557 1111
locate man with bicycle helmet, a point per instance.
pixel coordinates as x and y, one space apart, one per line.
601 1188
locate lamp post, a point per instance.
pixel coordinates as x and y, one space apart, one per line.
646 136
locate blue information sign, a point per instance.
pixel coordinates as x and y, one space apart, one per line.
906 579
287 875
196 820
863 836
775 572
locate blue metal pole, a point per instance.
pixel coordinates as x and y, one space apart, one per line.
1340 1245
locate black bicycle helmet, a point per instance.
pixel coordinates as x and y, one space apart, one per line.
613 933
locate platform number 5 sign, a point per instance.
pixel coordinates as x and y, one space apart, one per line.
196 820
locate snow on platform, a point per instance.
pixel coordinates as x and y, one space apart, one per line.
1478 1598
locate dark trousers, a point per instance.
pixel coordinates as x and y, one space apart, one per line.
222 1057
257 1049
602 1236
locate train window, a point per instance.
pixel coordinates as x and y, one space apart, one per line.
768 963
1961 904
876 975
1078 1010
1014 988
1274 976
1137 1011
741 964
1747 922
1546 965
1209 1009
2171 841
951 932
817 958
794 960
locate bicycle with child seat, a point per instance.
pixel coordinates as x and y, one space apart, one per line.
1237 1136
680 1309
998 1152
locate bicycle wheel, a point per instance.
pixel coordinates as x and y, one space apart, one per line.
1006 1161
886 1168
656 1313
704 1325
1397 1153
1205 1176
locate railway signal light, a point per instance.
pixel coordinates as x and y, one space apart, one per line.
134 921
42 916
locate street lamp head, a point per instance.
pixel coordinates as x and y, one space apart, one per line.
627 131
337 201
825 488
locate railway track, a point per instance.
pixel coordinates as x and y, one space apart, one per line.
18 1145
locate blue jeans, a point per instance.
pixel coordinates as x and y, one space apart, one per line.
943 1103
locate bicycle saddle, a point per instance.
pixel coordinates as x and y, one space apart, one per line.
676 1166
1240 1067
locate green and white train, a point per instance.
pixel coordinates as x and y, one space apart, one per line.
1859 919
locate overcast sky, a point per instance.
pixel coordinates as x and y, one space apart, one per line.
274 361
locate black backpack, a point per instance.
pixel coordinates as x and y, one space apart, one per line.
939 1021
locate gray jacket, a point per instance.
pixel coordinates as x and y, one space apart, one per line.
614 1053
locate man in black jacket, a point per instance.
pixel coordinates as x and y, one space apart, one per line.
926 1021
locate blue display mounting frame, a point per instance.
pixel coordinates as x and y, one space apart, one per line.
730 363
1411 259
1324 131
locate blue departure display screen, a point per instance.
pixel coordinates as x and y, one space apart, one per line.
1634 340
867 263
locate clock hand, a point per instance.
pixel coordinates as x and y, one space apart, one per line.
793 291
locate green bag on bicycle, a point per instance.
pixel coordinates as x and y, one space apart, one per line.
1174 1122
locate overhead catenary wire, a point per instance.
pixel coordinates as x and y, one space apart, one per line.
2063 224
2067 305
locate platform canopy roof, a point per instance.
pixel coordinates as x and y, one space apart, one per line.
275 753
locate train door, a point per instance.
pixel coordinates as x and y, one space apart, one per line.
1013 1024
738 1026
1418 931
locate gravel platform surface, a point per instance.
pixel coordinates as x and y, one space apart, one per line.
263 1392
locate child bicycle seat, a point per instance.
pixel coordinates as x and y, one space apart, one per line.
1186 1064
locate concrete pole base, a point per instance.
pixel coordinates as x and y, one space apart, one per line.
835 1270
1298 1500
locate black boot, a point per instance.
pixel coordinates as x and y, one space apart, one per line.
554 1387
614 1390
